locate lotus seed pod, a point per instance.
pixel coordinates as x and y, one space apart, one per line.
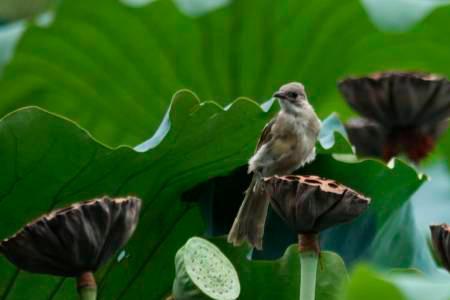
440 236
367 136
74 240
203 272
310 204
411 108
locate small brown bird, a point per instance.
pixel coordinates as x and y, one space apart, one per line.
286 144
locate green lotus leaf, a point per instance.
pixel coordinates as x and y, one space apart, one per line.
49 161
112 67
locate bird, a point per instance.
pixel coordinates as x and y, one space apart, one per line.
286 143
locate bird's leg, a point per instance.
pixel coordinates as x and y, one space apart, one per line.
259 177
258 174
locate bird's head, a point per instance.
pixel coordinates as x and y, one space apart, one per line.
292 96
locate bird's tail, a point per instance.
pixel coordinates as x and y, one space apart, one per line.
251 218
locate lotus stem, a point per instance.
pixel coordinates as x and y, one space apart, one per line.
309 254
87 287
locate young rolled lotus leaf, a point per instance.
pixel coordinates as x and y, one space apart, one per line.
440 237
410 108
310 204
74 241
203 272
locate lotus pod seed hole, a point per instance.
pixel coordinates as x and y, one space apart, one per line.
333 185
312 181
209 270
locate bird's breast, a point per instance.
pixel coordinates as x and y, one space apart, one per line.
286 143
295 137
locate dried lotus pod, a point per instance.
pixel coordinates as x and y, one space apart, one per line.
399 99
74 241
440 236
412 108
203 272
367 136
310 204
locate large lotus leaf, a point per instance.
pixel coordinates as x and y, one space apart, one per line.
432 202
367 284
48 161
444 146
112 67
9 34
333 137
280 279
400 15
385 235
405 238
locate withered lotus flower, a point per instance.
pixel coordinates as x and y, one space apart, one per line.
404 111
440 236
74 241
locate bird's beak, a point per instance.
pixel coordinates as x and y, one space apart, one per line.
280 95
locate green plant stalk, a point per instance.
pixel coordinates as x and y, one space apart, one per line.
308 263
308 246
87 287
88 293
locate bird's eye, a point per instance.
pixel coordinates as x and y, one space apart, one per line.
292 95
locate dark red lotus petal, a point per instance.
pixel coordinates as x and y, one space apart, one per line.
73 240
440 236
399 99
310 204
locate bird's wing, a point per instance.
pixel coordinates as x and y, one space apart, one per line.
266 135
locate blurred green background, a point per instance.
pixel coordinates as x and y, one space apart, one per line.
109 70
